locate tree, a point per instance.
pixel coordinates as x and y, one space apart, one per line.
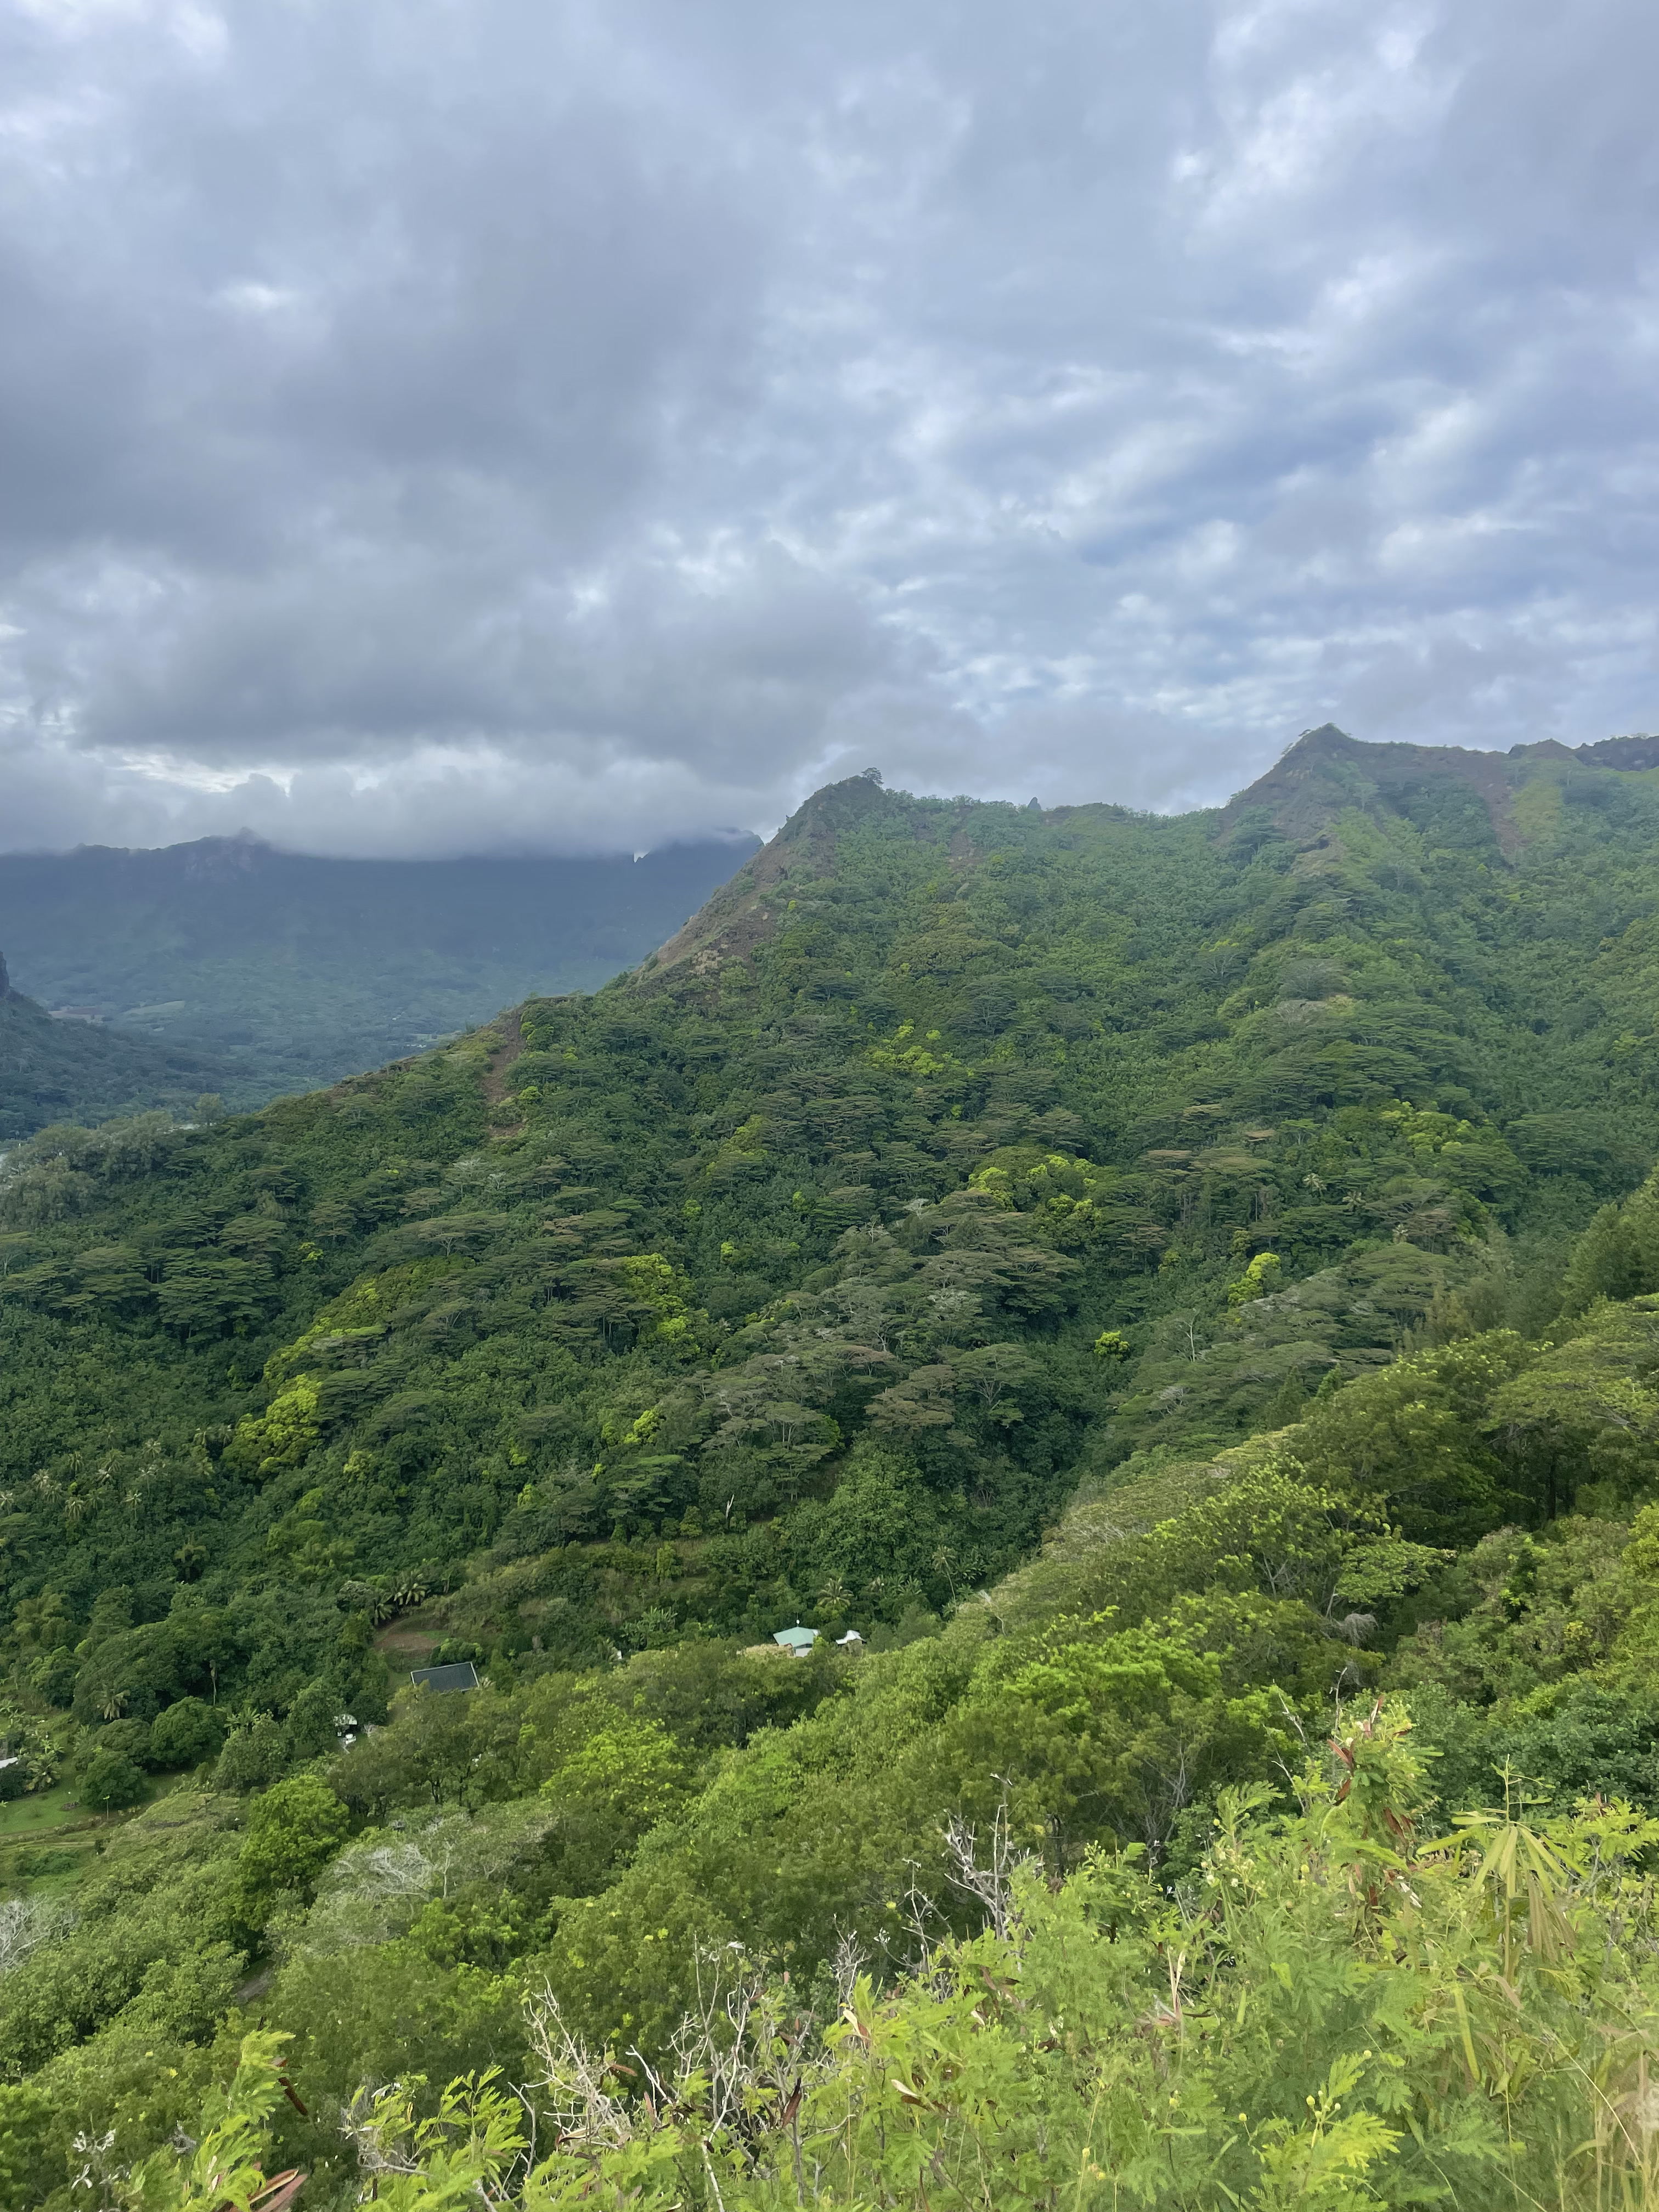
880 1524
293 1832
1416 1437
110 1780
184 1735
452 1228
1618 1255
253 1756
28 2169
1113 1739
203 1293
1587 1409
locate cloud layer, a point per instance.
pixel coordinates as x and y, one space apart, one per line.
540 424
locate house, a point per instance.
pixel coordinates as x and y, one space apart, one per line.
797 1640
850 1643
462 1676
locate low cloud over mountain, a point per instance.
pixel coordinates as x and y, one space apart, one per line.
519 425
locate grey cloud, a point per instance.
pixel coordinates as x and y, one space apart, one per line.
436 429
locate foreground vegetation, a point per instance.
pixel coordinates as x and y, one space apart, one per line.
1334 2012
1184 1290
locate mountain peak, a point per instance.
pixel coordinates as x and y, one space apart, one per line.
1327 771
739 914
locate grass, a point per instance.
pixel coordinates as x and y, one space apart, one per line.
46 1842
29 1817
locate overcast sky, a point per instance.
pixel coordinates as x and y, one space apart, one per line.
444 425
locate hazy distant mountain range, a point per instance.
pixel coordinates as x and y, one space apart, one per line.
271 971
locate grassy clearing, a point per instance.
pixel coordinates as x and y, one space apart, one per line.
34 1816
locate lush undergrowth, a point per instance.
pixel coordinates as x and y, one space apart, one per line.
1168 1284
1333 2012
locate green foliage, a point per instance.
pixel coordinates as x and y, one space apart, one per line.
294 1829
1258 1280
1618 1255
1338 2011
110 1780
224 2166
151 1940
1419 1437
1130 1271
52 1070
27 2127
1106 1741
186 1735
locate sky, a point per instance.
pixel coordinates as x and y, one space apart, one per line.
438 426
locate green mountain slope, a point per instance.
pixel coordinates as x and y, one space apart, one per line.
293 970
1153 1278
928 1098
59 1070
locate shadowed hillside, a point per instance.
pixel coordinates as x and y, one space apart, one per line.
59 1071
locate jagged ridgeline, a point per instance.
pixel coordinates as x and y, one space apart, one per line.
1186 1290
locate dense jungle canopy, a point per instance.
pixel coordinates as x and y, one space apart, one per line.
1185 1291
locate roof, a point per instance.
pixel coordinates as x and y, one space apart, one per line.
851 1636
797 1638
463 1675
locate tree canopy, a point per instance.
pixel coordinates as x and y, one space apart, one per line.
1184 1292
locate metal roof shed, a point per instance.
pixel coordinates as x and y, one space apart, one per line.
462 1676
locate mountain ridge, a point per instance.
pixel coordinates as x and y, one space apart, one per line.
56 1070
1326 769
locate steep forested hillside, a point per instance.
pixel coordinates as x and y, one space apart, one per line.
52 1070
292 970
1181 1289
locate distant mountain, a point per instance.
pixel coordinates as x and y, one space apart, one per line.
288 971
67 1070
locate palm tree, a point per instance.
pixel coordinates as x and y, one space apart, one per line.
835 1597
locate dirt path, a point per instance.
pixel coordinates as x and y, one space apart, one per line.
501 1060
